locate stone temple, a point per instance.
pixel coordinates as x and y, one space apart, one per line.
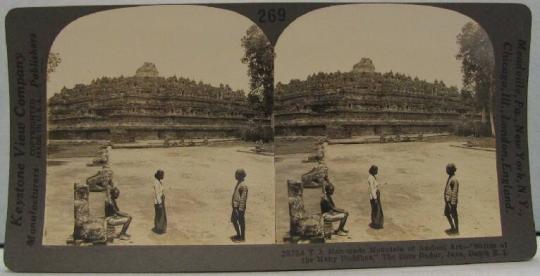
363 102
147 107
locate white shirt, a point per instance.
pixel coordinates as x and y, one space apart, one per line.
373 186
158 191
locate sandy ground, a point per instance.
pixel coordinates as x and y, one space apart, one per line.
199 183
412 199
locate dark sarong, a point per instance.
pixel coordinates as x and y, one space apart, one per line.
239 222
377 216
160 219
238 217
450 209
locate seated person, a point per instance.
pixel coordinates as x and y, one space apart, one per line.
116 217
331 213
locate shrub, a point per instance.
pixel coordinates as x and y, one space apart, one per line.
472 128
258 132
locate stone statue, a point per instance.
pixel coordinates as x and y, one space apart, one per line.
102 159
316 177
87 229
81 209
364 66
100 181
148 69
382 138
319 152
302 225
259 146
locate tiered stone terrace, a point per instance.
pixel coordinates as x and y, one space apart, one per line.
364 102
146 106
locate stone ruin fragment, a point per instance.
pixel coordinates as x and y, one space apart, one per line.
88 229
364 102
318 154
99 181
398 138
382 138
316 177
189 108
102 159
259 146
147 70
364 66
303 226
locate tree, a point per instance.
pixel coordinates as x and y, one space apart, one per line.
259 56
466 95
478 66
53 61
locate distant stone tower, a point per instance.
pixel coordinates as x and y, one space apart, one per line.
148 69
364 66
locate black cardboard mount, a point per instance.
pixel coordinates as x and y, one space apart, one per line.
508 25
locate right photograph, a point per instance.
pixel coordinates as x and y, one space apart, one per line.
384 121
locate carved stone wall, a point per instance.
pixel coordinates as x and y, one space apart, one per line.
365 102
147 106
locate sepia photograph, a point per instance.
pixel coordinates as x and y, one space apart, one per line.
384 126
159 130
223 137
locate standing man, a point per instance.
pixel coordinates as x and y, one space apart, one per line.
377 216
451 199
160 217
239 200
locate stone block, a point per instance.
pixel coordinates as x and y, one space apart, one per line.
316 177
303 226
97 204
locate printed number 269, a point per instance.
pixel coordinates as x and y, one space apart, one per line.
271 15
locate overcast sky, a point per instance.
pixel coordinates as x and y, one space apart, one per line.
415 40
201 43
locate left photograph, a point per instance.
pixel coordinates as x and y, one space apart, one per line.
159 130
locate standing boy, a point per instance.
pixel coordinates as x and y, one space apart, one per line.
239 201
451 200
